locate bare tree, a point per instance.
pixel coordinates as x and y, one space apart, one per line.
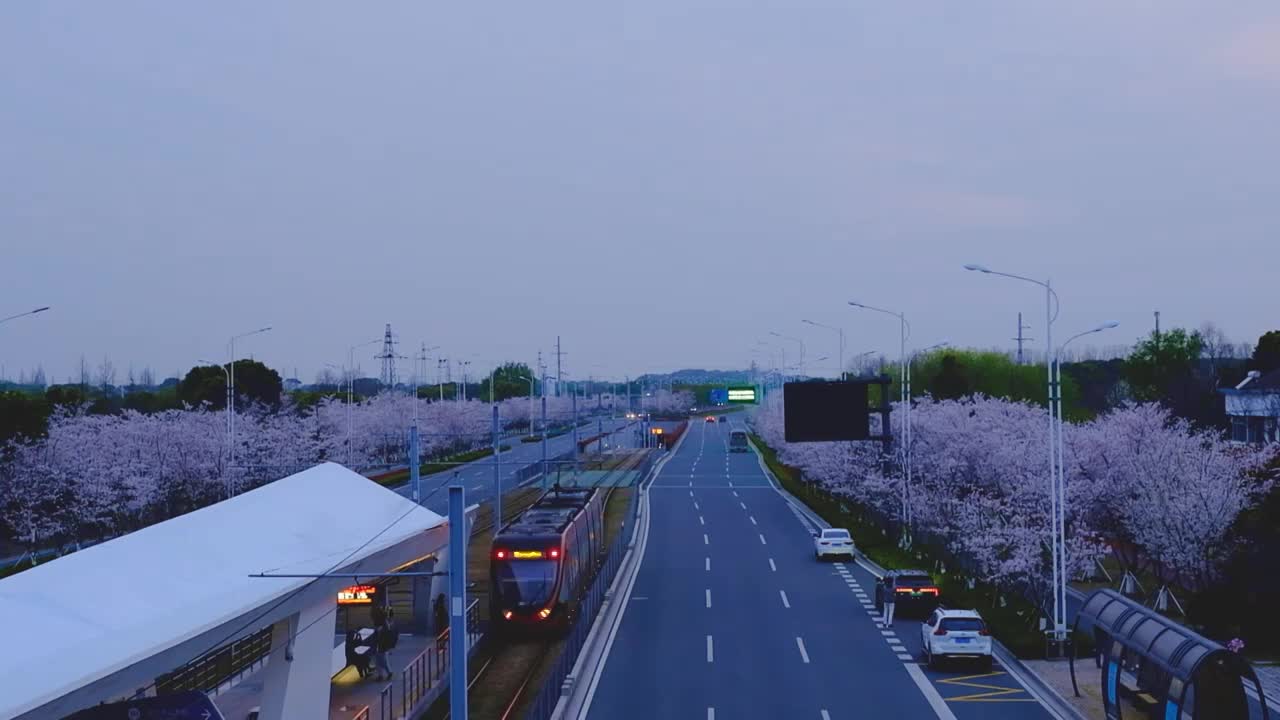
147 377
106 373
131 379
84 373
327 377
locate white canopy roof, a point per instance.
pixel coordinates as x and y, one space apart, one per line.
76 619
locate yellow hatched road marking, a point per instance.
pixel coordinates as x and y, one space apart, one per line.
995 693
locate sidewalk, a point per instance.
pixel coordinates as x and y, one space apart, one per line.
1269 676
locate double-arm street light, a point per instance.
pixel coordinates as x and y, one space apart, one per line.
1056 539
800 366
24 314
1057 470
840 376
904 332
231 393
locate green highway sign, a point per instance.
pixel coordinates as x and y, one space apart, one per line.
744 394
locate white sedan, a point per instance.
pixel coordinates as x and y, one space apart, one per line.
831 542
956 634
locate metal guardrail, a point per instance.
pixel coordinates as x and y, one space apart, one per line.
362 715
422 675
548 696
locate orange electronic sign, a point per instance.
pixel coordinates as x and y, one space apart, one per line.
357 595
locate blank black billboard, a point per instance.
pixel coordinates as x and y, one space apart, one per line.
825 411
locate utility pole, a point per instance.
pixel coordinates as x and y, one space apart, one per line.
1021 338
1157 334
559 356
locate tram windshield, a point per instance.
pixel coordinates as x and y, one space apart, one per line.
525 582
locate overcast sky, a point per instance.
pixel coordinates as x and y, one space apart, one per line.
661 183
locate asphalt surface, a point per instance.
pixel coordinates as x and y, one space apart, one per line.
732 617
477 476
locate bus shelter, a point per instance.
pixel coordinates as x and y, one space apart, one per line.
1160 664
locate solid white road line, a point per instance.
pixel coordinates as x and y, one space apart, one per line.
930 693
708 597
785 603
711 650
804 655
762 542
772 566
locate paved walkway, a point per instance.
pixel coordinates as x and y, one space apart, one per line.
350 694
1269 675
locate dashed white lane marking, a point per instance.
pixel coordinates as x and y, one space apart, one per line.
804 654
772 566
888 633
711 650
905 656
701 521
695 506
706 539
690 493
735 493
785 602
708 597
825 715
762 542
744 505
708 564
711 713
753 520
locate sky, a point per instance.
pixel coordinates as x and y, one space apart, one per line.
660 183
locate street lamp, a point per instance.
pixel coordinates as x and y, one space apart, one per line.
531 393
227 373
779 367
838 330
861 355
904 332
351 386
1057 497
24 314
800 367
231 394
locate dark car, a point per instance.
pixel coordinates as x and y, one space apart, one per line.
915 590
724 419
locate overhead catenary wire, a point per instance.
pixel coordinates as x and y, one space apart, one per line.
289 596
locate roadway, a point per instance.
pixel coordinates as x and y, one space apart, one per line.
477 476
730 616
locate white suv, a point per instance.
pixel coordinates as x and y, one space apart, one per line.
832 541
956 634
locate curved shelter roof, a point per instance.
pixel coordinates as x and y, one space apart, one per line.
81 618
1171 652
